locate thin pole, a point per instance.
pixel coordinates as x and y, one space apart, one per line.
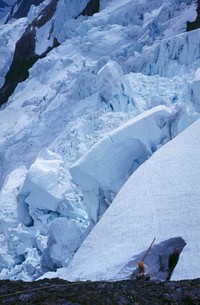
148 249
161 265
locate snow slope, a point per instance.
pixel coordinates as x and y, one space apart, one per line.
160 199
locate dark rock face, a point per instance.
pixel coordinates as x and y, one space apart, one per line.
56 291
91 8
23 7
195 24
46 14
24 58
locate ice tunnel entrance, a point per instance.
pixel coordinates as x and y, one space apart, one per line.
156 260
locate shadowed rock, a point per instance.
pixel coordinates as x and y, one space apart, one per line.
57 292
91 8
195 24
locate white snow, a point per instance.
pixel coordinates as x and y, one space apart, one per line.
41 43
56 26
160 199
122 83
102 171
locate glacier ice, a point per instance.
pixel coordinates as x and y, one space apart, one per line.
194 89
8 198
102 171
114 89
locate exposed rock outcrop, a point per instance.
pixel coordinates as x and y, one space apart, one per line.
91 8
195 24
57 292
24 59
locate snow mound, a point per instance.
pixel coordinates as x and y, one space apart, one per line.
160 199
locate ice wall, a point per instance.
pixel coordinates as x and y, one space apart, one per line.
178 54
102 171
48 204
114 89
194 90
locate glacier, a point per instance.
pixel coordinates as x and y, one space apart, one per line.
160 199
120 88
103 170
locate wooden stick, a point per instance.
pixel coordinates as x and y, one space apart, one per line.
149 249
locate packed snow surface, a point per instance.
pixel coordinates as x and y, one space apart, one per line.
161 199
